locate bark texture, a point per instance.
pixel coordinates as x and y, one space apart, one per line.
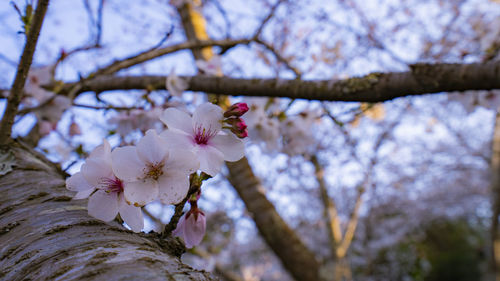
44 235
374 87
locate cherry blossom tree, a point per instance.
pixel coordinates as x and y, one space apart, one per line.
302 134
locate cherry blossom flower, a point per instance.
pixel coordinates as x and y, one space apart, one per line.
203 135
191 227
38 76
261 126
151 171
297 133
175 85
105 203
126 122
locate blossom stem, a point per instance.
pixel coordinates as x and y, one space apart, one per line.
195 182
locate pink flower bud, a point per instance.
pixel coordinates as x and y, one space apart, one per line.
45 127
74 129
238 127
191 227
242 134
236 110
236 123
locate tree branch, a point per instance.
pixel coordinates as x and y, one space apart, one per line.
154 53
374 87
22 71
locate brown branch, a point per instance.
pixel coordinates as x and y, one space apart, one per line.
374 87
154 53
284 242
22 71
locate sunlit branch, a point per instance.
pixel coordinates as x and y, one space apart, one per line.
22 71
374 87
329 209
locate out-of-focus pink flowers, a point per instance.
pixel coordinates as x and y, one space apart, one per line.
175 85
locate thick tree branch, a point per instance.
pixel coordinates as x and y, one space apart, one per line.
22 71
285 243
47 236
374 87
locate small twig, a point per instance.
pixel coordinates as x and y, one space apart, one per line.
22 72
99 23
279 57
108 107
267 18
194 185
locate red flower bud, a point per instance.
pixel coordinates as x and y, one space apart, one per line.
236 110
236 124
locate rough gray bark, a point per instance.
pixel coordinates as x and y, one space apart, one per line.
374 87
44 235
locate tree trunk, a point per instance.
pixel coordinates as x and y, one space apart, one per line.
495 189
295 256
297 259
44 235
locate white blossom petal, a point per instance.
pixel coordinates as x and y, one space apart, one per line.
103 205
102 151
83 194
78 183
173 187
211 159
176 139
177 119
142 192
126 163
94 170
209 117
130 214
151 148
232 147
183 161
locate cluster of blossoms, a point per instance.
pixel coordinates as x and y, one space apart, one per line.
271 127
123 180
49 107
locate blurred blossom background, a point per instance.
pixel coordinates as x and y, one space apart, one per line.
399 190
